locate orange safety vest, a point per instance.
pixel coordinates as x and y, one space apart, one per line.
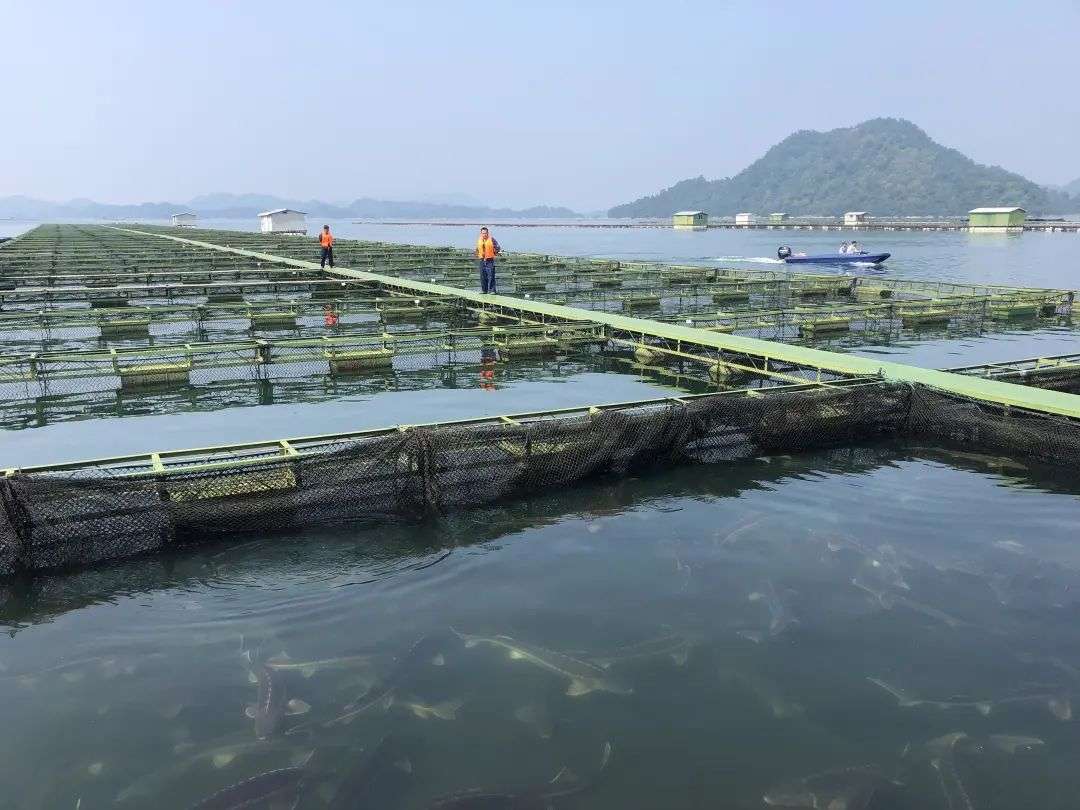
485 248
326 239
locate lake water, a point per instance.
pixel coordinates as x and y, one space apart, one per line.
891 626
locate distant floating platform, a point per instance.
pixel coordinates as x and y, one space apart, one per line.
879 225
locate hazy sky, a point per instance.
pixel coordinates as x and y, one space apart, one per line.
574 103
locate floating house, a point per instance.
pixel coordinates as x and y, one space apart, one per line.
777 217
744 219
996 220
694 220
855 218
185 219
283 220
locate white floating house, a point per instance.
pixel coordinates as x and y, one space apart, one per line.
855 218
186 219
283 220
744 219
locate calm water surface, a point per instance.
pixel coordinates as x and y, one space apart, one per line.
726 629
880 627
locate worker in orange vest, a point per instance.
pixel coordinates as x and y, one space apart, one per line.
486 251
326 241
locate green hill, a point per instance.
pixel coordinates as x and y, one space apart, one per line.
886 166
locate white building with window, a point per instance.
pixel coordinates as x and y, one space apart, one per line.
283 220
185 219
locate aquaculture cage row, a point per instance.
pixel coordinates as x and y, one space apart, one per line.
77 342
48 326
676 302
118 507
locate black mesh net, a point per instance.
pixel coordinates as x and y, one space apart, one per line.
56 519
951 420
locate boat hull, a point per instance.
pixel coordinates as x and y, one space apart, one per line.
839 258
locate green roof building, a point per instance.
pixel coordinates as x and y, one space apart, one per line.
996 220
690 219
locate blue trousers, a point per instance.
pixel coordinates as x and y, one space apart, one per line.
487 275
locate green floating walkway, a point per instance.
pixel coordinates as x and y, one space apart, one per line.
985 390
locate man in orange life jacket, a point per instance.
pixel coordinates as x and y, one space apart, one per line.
486 251
326 241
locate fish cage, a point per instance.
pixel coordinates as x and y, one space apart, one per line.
92 317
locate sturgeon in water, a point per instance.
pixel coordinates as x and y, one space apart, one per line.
1011 743
377 781
273 703
283 663
583 677
676 647
447 710
1058 704
426 651
906 700
842 789
780 617
539 797
278 790
146 788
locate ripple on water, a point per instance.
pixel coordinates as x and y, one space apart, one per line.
741 629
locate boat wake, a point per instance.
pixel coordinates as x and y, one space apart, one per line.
754 259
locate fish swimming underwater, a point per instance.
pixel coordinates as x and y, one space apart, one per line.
891 600
1058 704
764 690
277 789
538 797
780 616
447 710
538 718
307 669
674 646
907 700
842 789
426 651
377 780
583 677
1012 743
217 756
272 702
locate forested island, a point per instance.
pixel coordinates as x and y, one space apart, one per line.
887 166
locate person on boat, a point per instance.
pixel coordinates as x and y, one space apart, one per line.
854 247
845 247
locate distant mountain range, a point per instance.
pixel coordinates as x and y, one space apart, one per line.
886 166
222 205
1072 188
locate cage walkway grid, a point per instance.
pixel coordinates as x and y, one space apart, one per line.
84 512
